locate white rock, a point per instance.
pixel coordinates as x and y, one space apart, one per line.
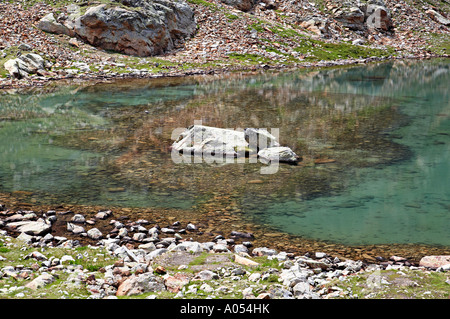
35 228
94 233
66 259
41 281
76 229
280 154
148 247
254 277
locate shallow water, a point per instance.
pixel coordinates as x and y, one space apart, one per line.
386 127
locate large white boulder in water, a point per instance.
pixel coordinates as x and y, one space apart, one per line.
205 140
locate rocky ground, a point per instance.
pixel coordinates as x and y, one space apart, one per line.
271 34
138 259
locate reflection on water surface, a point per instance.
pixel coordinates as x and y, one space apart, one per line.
374 141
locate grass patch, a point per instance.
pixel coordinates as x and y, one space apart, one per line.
393 284
203 3
231 17
439 43
315 50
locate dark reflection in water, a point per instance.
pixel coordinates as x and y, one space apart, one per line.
374 141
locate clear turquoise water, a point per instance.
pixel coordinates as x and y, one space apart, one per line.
406 200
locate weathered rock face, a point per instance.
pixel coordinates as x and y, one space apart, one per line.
372 14
352 18
34 228
318 25
29 63
377 15
243 5
134 27
436 16
138 284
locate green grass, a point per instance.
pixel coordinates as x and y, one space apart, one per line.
14 253
203 3
231 17
54 3
315 50
393 284
439 43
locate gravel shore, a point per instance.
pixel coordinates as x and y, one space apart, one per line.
138 259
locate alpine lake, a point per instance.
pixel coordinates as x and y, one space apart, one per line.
374 141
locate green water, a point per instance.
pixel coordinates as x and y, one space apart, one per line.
387 126
408 202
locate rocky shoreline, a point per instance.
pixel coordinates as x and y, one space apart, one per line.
138 259
229 37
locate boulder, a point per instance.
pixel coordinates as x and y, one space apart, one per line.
351 17
133 27
139 284
41 281
359 16
278 154
206 275
49 24
439 18
378 16
245 261
434 261
318 25
206 140
264 251
76 229
94 233
259 138
176 282
211 144
24 65
243 5
78 218
34 228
